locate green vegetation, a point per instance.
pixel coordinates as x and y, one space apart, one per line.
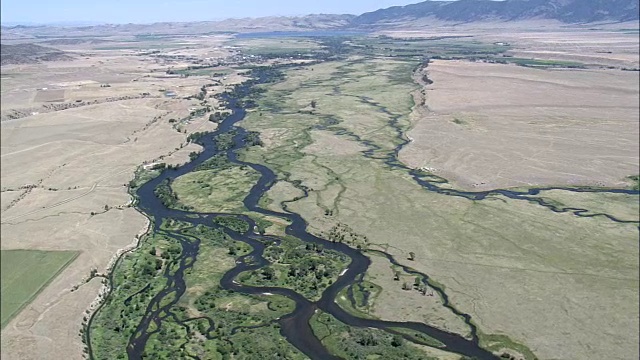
332 131
233 223
306 268
619 205
25 273
501 342
142 175
240 326
278 46
217 190
540 63
338 153
418 337
362 343
136 280
225 141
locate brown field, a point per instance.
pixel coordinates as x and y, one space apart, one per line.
49 96
610 45
60 166
488 126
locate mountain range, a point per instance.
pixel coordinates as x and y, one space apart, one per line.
461 11
566 11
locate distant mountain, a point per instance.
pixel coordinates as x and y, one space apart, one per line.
29 54
462 11
271 23
567 11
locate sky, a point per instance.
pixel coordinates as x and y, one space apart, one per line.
148 11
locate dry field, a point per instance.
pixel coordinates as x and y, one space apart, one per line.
64 174
488 126
612 44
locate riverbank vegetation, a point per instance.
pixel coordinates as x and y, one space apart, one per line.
349 342
307 269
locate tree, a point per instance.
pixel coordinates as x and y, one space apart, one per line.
397 341
412 256
396 276
313 104
416 282
405 286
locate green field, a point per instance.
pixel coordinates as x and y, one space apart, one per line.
25 273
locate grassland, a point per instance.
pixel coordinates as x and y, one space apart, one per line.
220 190
481 251
487 126
623 207
25 273
276 46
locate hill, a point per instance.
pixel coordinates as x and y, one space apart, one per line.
29 54
567 11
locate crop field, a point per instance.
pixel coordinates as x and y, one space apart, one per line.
25 273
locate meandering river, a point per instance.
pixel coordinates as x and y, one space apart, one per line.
295 326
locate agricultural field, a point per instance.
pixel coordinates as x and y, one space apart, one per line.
25 273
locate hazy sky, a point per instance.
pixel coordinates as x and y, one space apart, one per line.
145 11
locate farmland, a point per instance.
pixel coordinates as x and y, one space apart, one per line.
25 273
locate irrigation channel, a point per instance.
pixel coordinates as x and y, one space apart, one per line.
295 327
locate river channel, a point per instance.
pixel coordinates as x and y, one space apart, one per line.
295 326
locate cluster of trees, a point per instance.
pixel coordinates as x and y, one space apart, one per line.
305 268
363 343
233 223
194 137
218 161
168 197
343 233
252 138
217 117
224 141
